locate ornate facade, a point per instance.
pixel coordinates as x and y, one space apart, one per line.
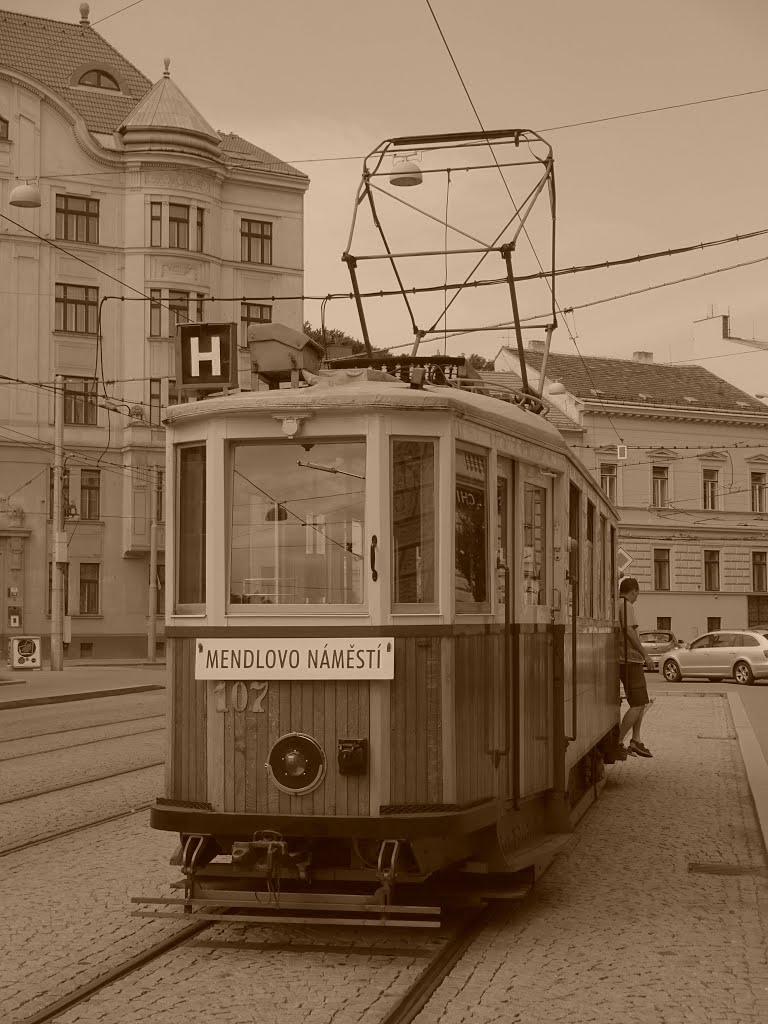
148 216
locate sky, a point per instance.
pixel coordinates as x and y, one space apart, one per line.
313 82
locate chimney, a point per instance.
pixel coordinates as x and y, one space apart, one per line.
535 345
642 357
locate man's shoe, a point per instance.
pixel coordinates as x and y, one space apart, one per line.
620 753
639 749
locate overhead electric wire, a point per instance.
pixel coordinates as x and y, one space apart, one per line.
120 11
582 124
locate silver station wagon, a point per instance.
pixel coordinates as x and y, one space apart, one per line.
741 654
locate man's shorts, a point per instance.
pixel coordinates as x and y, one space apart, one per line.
635 688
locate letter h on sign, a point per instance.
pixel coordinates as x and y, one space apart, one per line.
206 357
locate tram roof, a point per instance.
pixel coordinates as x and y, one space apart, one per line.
333 393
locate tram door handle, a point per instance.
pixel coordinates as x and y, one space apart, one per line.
374 543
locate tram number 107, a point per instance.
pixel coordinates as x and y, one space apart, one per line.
235 696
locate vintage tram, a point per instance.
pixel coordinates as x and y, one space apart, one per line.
391 636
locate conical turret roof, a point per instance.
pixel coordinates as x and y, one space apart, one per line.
165 113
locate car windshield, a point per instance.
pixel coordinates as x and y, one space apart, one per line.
656 638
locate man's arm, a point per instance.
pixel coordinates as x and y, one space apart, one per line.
634 641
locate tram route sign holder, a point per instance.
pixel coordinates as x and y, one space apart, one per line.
206 357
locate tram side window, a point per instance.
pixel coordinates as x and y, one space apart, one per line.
414 522
190 553
298 522
534 541
471 569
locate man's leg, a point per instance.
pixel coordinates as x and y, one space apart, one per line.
628 721
638 722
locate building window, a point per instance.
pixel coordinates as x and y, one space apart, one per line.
77 219
664 622
89 588
660 496
200 224
90 493
64 491
178 226
255 241
99 80
661 568
710 488
199 307
161 589
758 485
759 572
3 128
50 588
713 622
160 495
178 305
154 401
608 480
711 570
80 401
155 224
76 308
155 313
253 313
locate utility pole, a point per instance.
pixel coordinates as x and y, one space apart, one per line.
152 625
59 554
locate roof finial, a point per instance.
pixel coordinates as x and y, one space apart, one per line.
85 10
167 62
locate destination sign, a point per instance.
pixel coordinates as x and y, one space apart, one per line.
357 657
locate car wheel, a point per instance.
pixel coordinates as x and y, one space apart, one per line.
672 672
742 673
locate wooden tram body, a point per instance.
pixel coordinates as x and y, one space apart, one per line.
458 529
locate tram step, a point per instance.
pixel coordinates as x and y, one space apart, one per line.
291 908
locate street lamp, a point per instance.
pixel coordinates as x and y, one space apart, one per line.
26 195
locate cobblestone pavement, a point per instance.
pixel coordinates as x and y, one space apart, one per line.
78 736
25 776
42 816
66 910
618 931
17 723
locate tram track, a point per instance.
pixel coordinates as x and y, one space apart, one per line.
407 1008
50 836
76 746
83 782
82 728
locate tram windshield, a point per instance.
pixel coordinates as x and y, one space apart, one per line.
297 523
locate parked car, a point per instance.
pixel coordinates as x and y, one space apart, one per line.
741 654
657 643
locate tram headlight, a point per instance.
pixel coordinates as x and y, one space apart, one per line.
296 763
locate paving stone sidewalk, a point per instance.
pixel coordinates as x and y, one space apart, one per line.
620 930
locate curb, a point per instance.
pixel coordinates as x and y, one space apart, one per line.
62 698
754 762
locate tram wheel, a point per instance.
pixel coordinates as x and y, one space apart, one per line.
742 673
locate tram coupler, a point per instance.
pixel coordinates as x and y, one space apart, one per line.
387 868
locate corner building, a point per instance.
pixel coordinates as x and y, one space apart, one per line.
683 455
140 197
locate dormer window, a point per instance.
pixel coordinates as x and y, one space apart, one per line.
3 128
99 80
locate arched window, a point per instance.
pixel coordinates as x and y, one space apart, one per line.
99 80
3 128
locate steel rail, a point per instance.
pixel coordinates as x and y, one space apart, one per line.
418 995
90 988
49 837
81 728
85 782
76 746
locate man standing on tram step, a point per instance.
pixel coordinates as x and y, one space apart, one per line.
632 658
